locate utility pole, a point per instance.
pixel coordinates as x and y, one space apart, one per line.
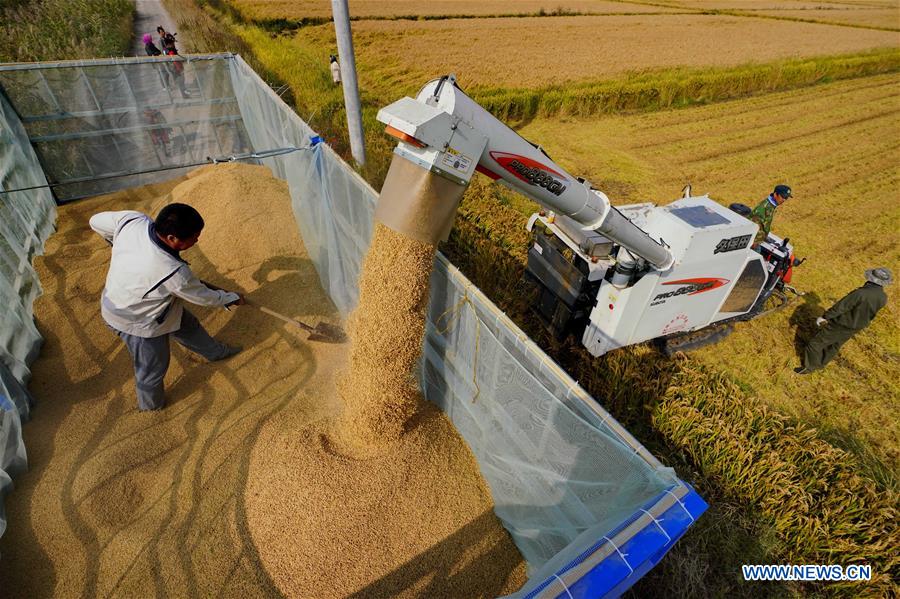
341 14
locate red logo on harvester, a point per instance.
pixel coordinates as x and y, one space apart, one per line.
699 285
531 171
689 287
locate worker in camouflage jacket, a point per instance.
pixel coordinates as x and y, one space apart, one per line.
765 211
844 319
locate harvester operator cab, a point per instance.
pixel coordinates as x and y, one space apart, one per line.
780 261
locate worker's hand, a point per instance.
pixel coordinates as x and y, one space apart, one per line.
820 321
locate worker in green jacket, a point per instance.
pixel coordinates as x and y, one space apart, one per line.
848 316
765 211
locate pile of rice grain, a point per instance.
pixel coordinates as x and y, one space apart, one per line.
233 489
385 498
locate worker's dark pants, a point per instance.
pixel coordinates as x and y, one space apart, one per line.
150 356
824 346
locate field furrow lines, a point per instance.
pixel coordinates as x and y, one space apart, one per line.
810 137
663 129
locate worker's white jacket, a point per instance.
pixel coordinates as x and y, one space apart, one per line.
145 283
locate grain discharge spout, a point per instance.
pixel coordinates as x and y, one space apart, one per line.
448 136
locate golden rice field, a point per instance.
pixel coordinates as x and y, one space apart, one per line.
865 13
300 9
778 4
883 14
536 52
871 17
838 146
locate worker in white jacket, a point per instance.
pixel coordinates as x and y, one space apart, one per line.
335 70
145 287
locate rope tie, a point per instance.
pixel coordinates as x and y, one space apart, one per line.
565 588
622 555
655 521
454 312
669 491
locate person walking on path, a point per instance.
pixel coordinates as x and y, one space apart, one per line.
159 136
844 319
150 47
764 212
151 50
335 70
146 284
166 41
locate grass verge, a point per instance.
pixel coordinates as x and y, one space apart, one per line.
34 30
46 30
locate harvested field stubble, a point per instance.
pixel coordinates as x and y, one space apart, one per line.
514 52
229 490
681 87
886 18
754 5
385 9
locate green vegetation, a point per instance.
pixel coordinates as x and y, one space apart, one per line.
32 30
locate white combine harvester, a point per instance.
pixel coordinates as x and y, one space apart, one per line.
680 273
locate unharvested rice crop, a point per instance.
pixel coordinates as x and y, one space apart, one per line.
762 460
534 52
230 491
381 9
844 219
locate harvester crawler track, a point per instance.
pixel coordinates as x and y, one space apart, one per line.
685 342
776 301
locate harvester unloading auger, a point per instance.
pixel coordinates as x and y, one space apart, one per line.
680 273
